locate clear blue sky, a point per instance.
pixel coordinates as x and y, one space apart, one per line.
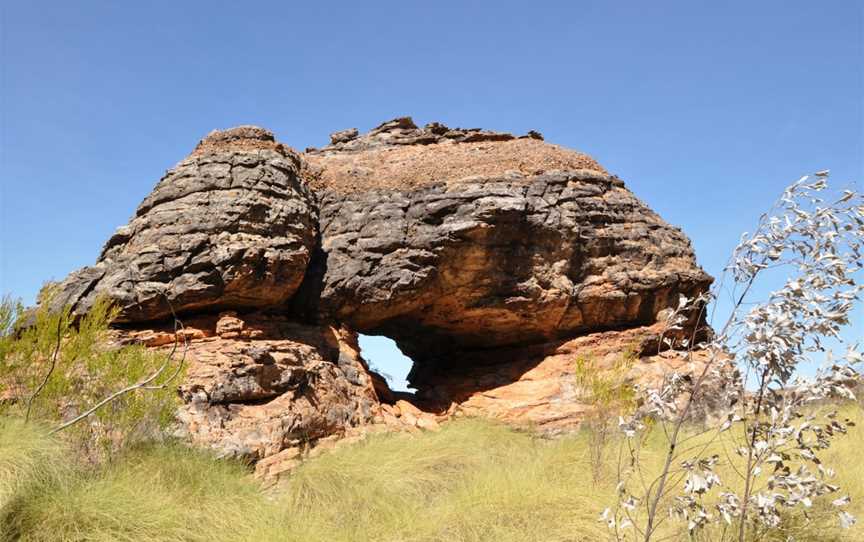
706 109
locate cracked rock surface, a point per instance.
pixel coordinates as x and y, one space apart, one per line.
231 226
499 259
258 383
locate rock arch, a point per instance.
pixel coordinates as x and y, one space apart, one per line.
492 260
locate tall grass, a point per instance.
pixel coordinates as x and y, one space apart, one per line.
28 457
164 493
473 481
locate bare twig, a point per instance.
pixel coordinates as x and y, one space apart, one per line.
50 371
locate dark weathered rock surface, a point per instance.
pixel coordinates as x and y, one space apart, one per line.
504 258
231 226
403 131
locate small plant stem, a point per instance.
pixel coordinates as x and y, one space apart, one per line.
50 371
748 473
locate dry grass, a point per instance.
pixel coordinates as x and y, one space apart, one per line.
474 481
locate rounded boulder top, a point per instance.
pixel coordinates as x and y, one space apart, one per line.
246 137
230 226
398 154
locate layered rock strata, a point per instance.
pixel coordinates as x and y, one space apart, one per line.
543 384
231 226
498 257
257 384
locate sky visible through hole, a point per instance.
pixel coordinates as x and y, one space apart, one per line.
384 357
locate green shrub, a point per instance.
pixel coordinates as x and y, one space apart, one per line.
55 368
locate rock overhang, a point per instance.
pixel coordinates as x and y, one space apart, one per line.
449 240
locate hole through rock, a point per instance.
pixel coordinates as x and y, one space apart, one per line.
385 358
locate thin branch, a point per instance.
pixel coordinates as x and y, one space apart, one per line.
50 371
143 385
679 422
751 446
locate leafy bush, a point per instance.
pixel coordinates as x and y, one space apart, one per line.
814 240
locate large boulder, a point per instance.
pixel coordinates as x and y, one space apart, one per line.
256 384
231 226
454 240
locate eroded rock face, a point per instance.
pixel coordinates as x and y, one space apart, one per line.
399 156
231 226
403 131
504 257
540 385
257 384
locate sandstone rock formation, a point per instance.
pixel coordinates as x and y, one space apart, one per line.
231 226
473 254
540 383
258 384
494 261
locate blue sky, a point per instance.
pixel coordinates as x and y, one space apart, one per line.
706 109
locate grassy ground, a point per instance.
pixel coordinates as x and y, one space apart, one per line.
473 481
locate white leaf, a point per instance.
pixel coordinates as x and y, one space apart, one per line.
847 520
842 501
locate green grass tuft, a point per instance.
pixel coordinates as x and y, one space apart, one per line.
28 457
